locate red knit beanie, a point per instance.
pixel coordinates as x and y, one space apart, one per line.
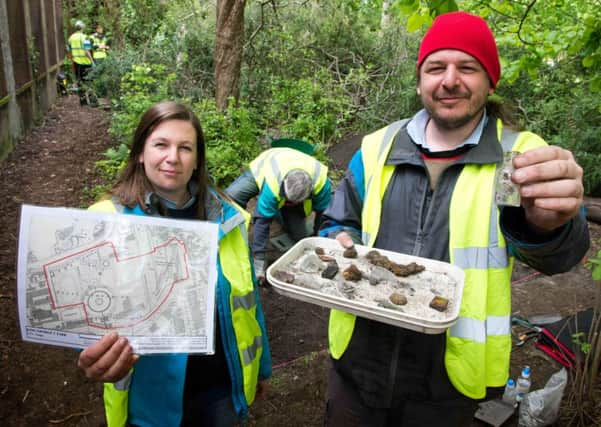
466 32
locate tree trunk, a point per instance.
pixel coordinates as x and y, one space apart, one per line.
228 50
385 16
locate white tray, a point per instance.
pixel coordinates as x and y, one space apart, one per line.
374 312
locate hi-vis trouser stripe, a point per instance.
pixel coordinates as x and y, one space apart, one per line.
389 135
492 256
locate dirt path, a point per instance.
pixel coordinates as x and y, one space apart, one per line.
51 166
40 385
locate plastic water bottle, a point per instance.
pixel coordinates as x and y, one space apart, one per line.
523 384
510 392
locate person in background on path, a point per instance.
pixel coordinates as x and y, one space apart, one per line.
425 187
166 175
290 186
79 51
99 45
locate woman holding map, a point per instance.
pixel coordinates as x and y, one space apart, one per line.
166 175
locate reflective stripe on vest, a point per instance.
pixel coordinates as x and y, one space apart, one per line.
78 51
234 256
479 344
272 165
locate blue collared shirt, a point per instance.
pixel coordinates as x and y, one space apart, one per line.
416 129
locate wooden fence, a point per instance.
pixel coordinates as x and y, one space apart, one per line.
32 49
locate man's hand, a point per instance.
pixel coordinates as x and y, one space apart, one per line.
345 240
551 186
107 360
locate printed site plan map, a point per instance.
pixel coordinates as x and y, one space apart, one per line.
83 274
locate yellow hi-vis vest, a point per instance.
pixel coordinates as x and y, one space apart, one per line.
99 47
479 344
77 42
233 255
272 165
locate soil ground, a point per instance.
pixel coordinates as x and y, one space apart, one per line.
40 385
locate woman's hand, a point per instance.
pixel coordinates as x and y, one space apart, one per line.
108 360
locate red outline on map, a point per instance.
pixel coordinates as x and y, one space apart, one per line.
153 250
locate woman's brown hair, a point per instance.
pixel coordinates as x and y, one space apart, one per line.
133 185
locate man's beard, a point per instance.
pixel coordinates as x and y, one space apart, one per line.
453 123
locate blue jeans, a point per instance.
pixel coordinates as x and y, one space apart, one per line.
243 189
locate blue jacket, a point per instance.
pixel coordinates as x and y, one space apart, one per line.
157 384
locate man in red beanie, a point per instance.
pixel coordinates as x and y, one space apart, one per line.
425 186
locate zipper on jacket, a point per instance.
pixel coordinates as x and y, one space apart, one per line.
425 206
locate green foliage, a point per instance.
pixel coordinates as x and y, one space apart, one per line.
141 20
142 86
320 71
231 139
559 107
365 76
594 264
310 109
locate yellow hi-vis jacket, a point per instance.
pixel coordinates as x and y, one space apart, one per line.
478 345
154 387
78 44
99 47
272 165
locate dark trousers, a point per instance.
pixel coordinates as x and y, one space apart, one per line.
81 71
345 408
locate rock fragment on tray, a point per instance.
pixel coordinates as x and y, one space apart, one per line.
350 252
380 274
352 273
326 258
283 276
376 258
387 304
409 269
346 289
311 263
330 271
307 281
439 303
398 298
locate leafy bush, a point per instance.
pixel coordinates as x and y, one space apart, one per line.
307 109
231 139
561 109
142 86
